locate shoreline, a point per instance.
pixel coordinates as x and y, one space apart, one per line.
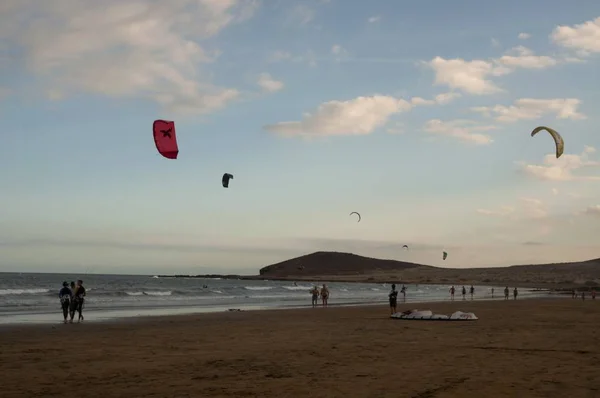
100 317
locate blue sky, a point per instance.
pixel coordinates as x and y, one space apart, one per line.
417 116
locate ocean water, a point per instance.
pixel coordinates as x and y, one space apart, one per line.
33 298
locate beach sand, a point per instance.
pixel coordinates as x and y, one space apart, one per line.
527 348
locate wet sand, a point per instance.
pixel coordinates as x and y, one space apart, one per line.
528 348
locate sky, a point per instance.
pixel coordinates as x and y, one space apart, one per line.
417 115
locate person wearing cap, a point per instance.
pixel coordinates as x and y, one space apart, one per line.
393 296
65 299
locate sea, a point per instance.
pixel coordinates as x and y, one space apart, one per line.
33 297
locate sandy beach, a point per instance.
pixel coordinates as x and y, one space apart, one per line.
528 348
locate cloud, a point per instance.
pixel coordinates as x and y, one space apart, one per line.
446 98
525 58
561 169
137 49
280 56
524 36
474 77
593 210
463 130
339 52
300 14
468 76
554 191
531 109
585 37
525 208
361 115
268 84
374 19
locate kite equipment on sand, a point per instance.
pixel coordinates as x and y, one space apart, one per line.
558 141
426 315
165 138
225 180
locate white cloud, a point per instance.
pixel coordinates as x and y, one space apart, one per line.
374 19
357 116
463 130
268 84
584 37
561 169
446 98
468 76
495 42
525 58
532 109
502 211
138 49
524 36
554 191
280 56
525 208
593 210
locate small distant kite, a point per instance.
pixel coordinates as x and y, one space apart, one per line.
444 255
405 247
359 217
165 138
558 140
225 180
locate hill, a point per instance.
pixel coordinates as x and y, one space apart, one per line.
334 266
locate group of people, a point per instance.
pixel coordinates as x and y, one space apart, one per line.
72 299
316 293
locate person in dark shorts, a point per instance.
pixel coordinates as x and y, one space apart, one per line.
452 293
393 296
464 293
79 299
472 291
506 293
315 296
515 293
65 300
324 295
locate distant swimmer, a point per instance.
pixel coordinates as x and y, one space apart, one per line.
315 296
393 296
515 293
506 293
324 295
65 300
452 293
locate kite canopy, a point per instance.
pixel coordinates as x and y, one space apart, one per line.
444 255
359 217
165 138
225 180
405 247
558 140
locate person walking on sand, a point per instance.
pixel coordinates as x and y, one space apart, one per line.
515 293
315 296
72 306
464 292
472 290
393 296
79 298
506 293
65 300
324 295
452 293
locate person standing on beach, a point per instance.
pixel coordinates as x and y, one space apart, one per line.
492 292
403 291
315 296
515 293
472 290
393 296
583 296
452 293
324 295
506 293
79 298
464 292
72 307
593 294
65 299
